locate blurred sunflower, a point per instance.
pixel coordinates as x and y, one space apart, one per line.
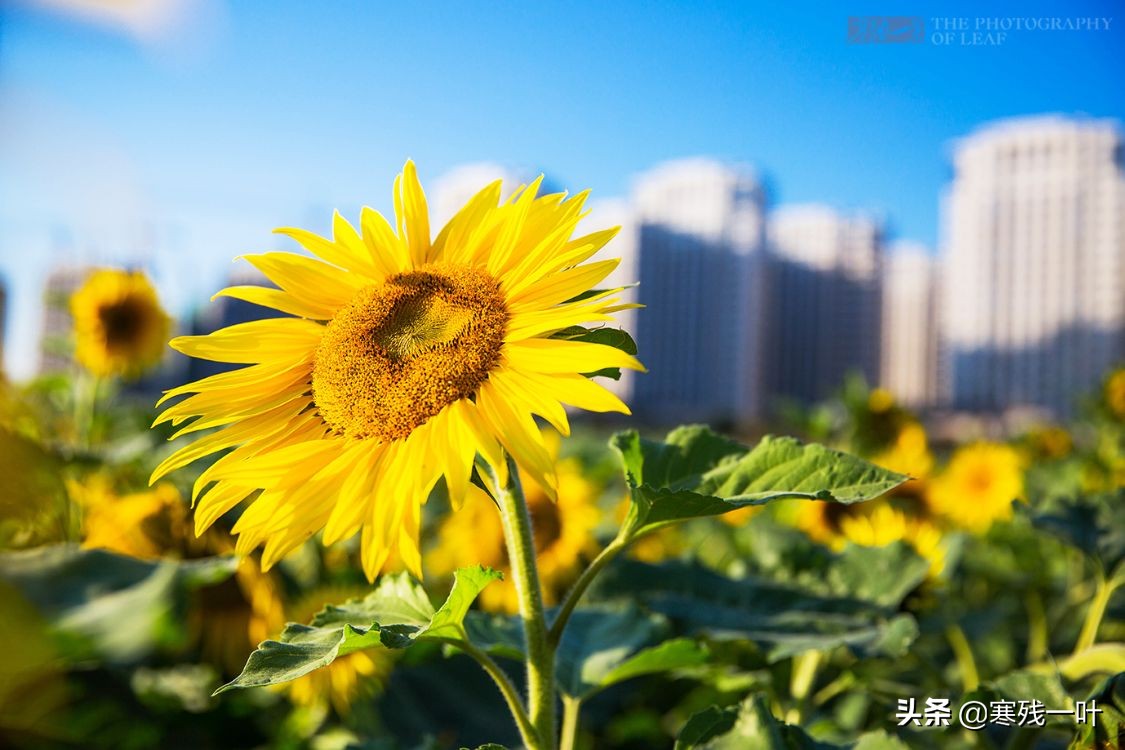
229 620
119 326
909 453
359 675
406 358
885 524
979 485
563 533
1114 393
144 524
1047 442
226 620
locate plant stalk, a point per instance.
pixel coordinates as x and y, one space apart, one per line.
516 521
963 652
571 708
1094 615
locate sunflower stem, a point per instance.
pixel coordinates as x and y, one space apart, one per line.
516 520
571 709
1094 615
507 689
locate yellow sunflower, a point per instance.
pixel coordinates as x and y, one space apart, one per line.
119 326
1115 393
144 524
885 524
909 453
405 358
358 675
979 485
563 532
227 620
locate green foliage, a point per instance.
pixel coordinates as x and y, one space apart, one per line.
786 618
108 605
695 473
751 725
1109 730
616 337
602 647
396 615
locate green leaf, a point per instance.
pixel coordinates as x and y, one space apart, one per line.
395 615
785 617
106 604
696 473
706 725
1093 525
603 646
615 337
1109 696
1027 685
678 653
752 725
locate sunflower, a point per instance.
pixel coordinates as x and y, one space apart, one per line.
1114 393
358 675
144 524
119 326
979 485
886 524
404 358
563 532
226 620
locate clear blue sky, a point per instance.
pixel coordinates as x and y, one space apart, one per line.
113 149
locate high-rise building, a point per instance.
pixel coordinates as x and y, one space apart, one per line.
1034 286
618 213
699 252
54 346
909 351
824 300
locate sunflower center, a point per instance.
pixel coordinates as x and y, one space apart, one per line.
122 322
402 351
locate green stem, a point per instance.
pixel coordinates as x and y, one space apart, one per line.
1094 615
507 689
571 708
964 654
579 588
1036 628
805 667
516 520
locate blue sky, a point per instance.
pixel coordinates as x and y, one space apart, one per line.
183 153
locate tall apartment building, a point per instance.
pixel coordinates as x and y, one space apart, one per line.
824 300
54 341
1034 287
699 237
909 352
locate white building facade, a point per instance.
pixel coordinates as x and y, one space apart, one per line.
824 300
1034 263
698 230
909 352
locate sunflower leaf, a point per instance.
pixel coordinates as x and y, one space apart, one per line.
618 338
785 618
695 473
753 725
396 614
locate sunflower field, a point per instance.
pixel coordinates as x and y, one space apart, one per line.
375 527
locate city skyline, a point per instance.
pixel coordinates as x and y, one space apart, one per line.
180 146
